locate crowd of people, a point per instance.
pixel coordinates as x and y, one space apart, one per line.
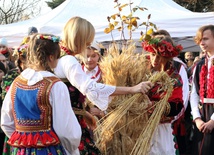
53 96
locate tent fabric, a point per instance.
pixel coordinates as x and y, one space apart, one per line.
166 14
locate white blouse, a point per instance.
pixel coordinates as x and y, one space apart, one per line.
65 122
92 73
68 67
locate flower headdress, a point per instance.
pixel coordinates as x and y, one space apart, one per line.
21 50
162 47
55 39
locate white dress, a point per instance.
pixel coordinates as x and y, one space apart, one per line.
162 141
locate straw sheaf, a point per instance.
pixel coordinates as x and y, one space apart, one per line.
127 125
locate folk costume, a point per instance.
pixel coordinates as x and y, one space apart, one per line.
80 86
202 100
6 82
183 121
36 119
163 142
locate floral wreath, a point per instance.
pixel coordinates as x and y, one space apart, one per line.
163 47
55 39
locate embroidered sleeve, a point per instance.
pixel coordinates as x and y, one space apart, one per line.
97 93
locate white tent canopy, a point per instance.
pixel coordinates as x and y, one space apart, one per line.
181 23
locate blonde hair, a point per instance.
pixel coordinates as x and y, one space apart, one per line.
78 33
199 33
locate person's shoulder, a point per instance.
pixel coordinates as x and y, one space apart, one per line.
201 62
59 85
66 58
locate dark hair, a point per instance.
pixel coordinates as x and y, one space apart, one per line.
40 47
165 37
161 32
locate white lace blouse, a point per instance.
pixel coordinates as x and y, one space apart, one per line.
68 67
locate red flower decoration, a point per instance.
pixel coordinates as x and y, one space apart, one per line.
81 146
164 48
161 49
87 140
7 88
170 48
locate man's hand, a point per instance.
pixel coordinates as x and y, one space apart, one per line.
208 126
199 123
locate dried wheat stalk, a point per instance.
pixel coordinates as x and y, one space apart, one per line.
127 126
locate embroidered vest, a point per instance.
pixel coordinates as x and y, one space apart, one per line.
32 114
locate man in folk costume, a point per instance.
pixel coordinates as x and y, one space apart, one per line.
202 94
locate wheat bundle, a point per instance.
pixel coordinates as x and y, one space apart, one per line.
142 146
127 126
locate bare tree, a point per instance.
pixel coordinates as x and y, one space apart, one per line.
12 11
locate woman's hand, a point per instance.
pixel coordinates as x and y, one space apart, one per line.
97 112
90 120
142 87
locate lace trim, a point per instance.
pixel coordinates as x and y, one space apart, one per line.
99 94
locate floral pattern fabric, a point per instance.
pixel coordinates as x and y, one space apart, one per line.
6 82
87 145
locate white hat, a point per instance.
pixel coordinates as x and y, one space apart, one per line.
3 41
95 45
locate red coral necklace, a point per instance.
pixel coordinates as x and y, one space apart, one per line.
68 52
206 85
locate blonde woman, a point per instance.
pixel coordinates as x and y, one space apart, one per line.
78 34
